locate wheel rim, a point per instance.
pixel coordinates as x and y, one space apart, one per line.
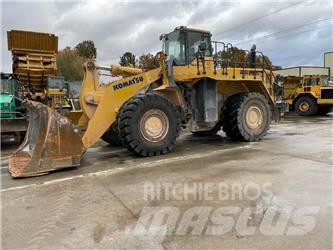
254 117
154 125
304 106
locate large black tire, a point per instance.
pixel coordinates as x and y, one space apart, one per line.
246 117
111 136
149 124
306 106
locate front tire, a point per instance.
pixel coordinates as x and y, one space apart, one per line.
149 124
246 117
111 136
306 106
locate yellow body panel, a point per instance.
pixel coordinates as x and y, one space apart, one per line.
100 104
117 70
103 113
74 116
21 40
230 80
325 101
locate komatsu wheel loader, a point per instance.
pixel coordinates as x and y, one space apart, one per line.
194 88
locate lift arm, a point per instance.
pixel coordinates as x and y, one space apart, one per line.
100 104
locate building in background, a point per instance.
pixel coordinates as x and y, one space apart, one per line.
326 70
328 62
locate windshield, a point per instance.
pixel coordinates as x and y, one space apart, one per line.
174 46
194 40
74 89
56 83
4 86
313 81
325 81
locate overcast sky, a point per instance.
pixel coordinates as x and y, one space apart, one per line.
290 32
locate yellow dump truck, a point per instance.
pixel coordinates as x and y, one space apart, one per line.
308 95
34 64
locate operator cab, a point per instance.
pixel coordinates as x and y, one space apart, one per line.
56 82
315 80
7 84
183 43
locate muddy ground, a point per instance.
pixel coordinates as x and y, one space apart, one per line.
208 192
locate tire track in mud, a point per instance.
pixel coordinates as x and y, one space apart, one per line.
102 216
79 216
54 219
125 232
87 213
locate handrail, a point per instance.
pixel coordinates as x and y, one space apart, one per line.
271 75
226 62
12 112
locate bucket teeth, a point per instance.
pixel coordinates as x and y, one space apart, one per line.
51 143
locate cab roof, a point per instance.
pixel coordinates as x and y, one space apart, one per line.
191 29
184 28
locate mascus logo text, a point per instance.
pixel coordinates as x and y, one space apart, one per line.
128 83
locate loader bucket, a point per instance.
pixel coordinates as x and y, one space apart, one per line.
51 143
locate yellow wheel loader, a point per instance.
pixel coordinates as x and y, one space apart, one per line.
194 88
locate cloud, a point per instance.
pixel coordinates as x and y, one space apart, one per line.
116 27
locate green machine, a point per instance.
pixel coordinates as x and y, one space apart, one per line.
12 113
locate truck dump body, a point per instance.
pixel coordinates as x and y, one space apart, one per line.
28 41
34 56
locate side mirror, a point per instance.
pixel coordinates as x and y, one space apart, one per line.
164 37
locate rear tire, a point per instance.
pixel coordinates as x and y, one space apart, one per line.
306 106
111 136
149 124
246 117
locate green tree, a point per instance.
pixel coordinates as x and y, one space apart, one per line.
148 62
69 64
241 58
128 59
86 49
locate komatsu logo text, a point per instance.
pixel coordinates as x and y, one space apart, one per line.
128 83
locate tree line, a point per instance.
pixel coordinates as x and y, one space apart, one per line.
70 60
240 58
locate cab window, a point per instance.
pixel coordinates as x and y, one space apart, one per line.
311 81
175 46
325 80
194 40
56 83
4 86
